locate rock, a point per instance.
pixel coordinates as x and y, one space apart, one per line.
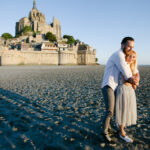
88 147
57 122
102 145
15 129
72 139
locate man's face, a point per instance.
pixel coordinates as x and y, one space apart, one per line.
128 46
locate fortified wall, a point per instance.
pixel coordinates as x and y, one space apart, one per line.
25 58
15 57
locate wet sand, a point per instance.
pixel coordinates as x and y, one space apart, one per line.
61 108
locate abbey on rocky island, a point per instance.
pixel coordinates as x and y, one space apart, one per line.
37 22
34 48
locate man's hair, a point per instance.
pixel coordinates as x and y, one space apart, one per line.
124 40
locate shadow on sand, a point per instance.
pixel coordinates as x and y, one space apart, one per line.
25 124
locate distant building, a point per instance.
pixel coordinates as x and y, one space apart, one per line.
36 21
35 49
23 46
62 46
47 46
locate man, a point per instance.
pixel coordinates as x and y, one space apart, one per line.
115 64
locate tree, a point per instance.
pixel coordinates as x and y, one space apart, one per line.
35 33
7 36
26 30
70 38
96 59
77 41
51 37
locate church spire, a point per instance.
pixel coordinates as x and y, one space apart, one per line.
34 4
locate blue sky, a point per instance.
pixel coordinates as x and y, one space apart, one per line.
100 23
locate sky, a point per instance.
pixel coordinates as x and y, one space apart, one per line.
102 24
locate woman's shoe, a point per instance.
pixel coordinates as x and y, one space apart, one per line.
126 138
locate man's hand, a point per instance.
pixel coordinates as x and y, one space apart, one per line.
136 79
132 80
134 87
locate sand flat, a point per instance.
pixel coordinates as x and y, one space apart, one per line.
61 107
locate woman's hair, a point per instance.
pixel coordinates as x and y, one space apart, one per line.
133 65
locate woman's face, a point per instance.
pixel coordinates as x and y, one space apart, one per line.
131 58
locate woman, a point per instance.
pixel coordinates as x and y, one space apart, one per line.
126 111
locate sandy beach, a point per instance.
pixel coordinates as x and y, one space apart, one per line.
61 108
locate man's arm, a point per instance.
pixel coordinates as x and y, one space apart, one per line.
124 68
137 78
134 80
122 65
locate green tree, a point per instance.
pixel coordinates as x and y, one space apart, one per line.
17 35
35 33
26 30
70 38
7 36
51 37
96 59
77 41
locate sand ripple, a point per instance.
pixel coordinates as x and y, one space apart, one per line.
54 108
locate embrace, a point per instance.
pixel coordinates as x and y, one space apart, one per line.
121 77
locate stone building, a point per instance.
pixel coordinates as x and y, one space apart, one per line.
47 46
35 49
37 22
1 41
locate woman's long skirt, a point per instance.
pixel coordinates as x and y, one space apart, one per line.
126 109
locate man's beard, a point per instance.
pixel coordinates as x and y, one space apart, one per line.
125 50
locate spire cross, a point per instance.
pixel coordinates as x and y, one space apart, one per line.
34 4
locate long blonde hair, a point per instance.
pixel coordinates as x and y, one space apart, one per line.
133 66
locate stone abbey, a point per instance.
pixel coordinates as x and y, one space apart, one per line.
36 49
37 22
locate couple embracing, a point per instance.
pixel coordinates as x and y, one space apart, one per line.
121 77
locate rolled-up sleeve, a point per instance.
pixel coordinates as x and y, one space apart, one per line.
136 69
122 65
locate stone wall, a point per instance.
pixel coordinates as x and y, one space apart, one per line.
67 57
15 57
81 58
86 58
10 57
90 59
23 57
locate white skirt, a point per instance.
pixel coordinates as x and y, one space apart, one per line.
126 109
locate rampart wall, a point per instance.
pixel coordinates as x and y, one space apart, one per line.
15 57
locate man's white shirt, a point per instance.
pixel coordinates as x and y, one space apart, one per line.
116 64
